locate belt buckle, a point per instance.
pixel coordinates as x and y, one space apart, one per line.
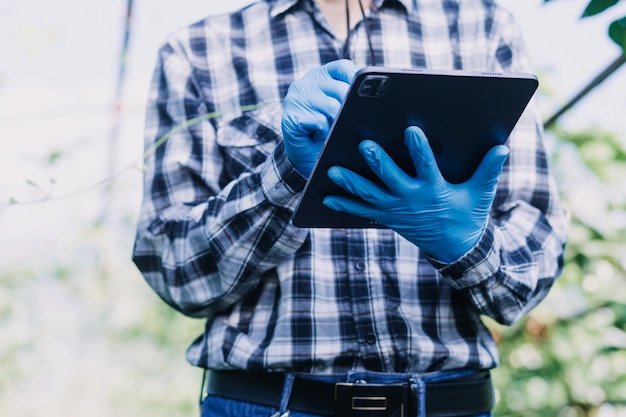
369 400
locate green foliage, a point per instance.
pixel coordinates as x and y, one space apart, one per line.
600 151
568 356
617 32
54 156
82 334
598 6
617 29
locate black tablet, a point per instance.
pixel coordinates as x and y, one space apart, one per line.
462 113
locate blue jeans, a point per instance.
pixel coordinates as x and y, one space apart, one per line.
213 406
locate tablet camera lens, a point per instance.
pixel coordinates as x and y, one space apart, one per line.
366 89
373 86
382 86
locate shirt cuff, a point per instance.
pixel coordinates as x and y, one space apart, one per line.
477 265
281 182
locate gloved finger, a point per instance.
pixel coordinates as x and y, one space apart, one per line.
358 185
305 98
486 176
316 92
316 122
385 167
314 125
319 92
330 80
422 155
324 104
341 70
353 206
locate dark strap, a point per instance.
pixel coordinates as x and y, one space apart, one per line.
456 397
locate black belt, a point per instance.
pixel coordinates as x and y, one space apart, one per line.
454 397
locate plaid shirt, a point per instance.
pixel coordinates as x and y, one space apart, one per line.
214 238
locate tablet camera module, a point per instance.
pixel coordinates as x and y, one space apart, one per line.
373 86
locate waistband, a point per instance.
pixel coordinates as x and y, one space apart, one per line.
404 395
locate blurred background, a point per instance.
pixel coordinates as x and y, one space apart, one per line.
80 331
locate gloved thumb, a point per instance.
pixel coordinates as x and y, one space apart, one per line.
485 178
342 70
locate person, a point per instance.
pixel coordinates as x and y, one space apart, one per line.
373 322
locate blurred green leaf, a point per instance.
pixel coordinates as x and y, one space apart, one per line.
617 32
54 156
601 151
574 341
598 6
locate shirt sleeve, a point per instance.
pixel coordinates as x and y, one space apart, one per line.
202 245
520 254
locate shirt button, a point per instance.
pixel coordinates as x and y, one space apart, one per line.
370 338
359 266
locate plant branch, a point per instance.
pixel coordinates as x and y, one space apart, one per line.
607 72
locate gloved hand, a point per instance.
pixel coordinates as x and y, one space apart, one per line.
309 108
445 220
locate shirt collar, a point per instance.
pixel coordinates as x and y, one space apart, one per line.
278 7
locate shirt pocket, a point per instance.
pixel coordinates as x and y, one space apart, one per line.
244 142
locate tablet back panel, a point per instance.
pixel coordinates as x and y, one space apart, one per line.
463 114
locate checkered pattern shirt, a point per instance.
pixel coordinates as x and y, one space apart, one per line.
214 237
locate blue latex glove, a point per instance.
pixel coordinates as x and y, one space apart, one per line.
309 108
445 220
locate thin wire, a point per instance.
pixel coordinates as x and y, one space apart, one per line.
369 37
202 385
346 45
